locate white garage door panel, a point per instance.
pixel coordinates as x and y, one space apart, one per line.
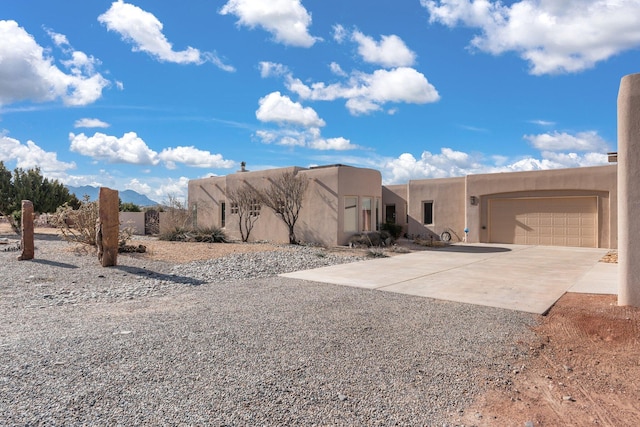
552 221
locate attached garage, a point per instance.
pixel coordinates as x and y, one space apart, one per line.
550 221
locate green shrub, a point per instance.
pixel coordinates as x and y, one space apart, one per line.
205 235
395 230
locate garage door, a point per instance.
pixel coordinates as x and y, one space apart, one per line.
552 221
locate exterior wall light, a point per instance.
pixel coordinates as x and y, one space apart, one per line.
473 200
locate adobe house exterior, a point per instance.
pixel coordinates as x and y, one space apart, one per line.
563 207
339 202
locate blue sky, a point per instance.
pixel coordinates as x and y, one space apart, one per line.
147 94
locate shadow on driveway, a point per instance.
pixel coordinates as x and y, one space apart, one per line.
474 249
53 263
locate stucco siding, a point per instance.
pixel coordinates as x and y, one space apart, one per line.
599 182
425 207
448 204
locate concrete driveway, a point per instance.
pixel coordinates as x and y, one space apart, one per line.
516 277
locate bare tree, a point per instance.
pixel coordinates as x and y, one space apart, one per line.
284 196
246 203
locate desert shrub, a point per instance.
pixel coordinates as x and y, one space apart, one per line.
376 252
430 242
177 216
395 230
206 235
371 238
79 225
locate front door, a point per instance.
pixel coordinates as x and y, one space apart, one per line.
390 214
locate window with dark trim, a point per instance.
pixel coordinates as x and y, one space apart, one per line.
427 213
254 208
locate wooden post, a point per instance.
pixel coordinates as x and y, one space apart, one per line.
629 191
108 227
26 241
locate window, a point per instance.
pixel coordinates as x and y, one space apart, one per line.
254 208
377 214
366 213
351 214
427 216
223 208
234 209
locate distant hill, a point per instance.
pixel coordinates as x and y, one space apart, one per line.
127 196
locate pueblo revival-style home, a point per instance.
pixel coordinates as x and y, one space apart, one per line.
562 207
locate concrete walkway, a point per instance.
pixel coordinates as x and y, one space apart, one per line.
524 278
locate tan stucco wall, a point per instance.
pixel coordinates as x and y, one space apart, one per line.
599 181
321 216
132 220
207 194
447 195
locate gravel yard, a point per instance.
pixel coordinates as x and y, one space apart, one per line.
225 341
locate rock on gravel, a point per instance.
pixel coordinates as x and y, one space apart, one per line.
227 343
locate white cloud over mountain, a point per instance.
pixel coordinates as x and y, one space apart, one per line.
30 156
553 36
194 157
132 149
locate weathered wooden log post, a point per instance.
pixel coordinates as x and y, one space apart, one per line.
629 191
26 226
108 227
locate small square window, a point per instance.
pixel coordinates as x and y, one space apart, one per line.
254 209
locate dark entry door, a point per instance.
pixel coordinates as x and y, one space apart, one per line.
390 214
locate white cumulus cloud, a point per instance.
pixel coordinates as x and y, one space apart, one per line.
139 187
553 36
390 52
452 163
28 72
144 31
272 69
287 20
90 123
310 138
562 141
132 149
279 108
366 93
192 156
129 148
30 156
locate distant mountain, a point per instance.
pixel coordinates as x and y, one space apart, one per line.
127 196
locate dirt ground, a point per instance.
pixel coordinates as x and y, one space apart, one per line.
582 369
